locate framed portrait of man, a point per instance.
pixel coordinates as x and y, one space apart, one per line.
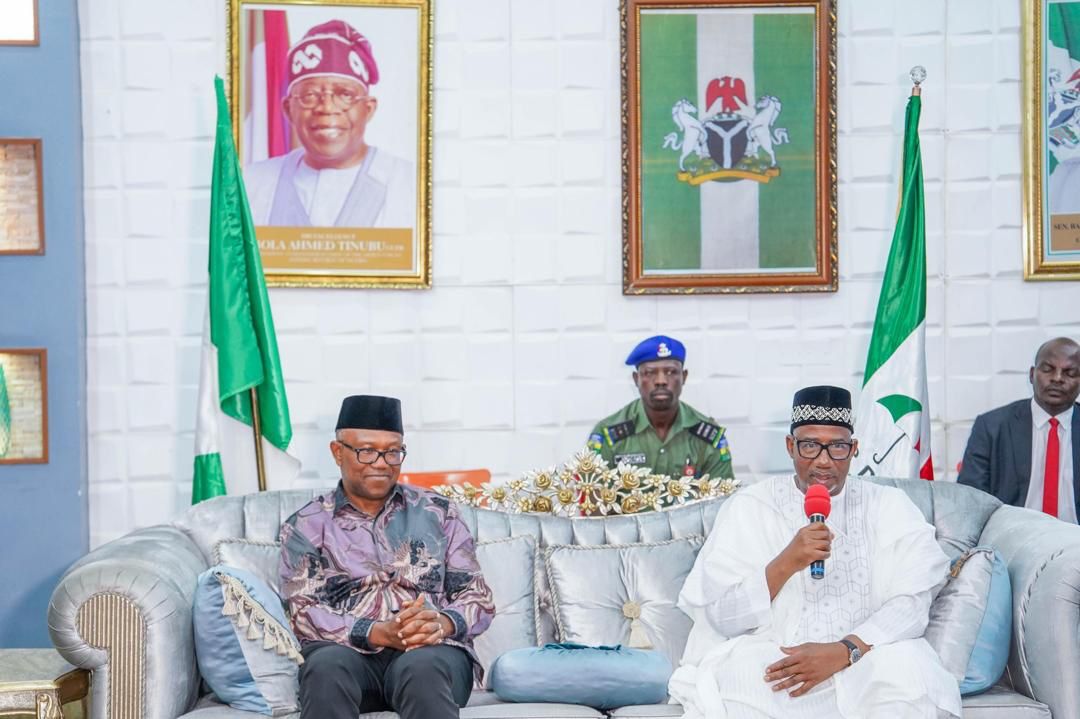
729 146
24 425
1051 117
331 107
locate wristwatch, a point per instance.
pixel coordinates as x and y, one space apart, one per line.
854 653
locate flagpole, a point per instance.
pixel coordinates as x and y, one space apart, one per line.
256 428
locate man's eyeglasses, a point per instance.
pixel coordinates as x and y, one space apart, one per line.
369 455
343 98
809 449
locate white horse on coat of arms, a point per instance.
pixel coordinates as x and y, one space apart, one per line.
693 133
760 134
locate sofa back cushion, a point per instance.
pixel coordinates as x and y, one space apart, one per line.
622 593
958 514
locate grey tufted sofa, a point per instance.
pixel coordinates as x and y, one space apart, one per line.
124 610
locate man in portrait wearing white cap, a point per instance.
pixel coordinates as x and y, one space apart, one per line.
336 179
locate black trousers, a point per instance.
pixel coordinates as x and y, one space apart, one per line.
337 682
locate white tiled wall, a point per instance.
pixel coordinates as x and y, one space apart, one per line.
518 349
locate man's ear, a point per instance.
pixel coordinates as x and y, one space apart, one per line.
335 449
685 374
790 441
635 376
1031 376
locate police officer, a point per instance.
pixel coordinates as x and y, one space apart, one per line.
658 430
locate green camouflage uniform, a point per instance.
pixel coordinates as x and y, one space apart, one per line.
695 444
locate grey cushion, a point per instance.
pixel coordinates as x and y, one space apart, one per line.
593 587
995 703
1002 703
509 566
971 620
649 711
259 558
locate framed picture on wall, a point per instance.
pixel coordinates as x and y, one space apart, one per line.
19 22
729 146
24 424
1051 116
22 211
331 103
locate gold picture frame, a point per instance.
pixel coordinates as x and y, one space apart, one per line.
23 234
338 179
24 406
1051 140
729 146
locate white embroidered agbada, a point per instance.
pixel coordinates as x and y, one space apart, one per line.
885 568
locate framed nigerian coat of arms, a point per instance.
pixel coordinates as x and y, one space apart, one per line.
729 146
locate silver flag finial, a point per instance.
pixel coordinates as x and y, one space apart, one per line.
918 75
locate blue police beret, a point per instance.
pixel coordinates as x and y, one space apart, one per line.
659 347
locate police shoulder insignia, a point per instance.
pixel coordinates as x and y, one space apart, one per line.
596 441
708 432
619 431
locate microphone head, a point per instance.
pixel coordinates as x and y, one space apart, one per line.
817 501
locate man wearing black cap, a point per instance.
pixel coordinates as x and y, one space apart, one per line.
770 641
657 430
381 583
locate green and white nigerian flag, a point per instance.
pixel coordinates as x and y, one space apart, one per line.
5 416
239 348
893 417
727 101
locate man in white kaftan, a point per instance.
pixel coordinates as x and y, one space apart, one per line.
770 641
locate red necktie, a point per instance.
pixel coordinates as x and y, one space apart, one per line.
1050 486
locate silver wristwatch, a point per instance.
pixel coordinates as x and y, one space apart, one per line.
854 653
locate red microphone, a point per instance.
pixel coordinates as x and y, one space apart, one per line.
817 505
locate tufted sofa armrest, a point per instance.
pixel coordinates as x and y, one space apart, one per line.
1043 555
124 612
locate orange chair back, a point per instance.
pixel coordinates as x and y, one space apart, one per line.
427 480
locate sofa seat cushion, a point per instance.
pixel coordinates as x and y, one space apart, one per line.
624 594
995 703
482 705
1002 703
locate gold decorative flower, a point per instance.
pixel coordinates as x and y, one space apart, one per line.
588 485
543 480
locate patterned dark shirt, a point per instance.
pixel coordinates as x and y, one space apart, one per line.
343 570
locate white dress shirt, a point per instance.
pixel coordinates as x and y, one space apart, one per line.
1040 428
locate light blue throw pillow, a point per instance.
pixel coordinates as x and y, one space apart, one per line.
971 620
599 677
243 643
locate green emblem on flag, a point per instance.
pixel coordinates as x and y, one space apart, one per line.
900 405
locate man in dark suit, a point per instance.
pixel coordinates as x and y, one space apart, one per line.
1027 453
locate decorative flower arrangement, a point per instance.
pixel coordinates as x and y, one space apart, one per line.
586 485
